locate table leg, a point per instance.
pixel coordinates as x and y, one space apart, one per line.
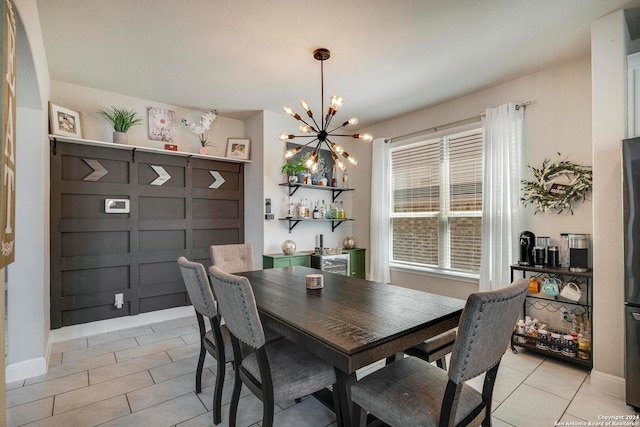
343 389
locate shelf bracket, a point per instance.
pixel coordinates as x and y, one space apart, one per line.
293 223
335 193
293 189
335 224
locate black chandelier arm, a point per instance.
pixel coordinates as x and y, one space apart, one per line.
313 140
340 134
328 119
304 136
336 128
310 125
328 144
315 129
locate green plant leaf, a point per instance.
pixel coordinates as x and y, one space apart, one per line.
121 119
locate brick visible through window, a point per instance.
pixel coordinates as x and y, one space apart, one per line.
436 202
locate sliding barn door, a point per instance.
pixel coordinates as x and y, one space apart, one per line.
162 206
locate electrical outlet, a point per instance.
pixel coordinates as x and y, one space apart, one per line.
119 301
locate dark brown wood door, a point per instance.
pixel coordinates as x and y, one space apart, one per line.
178 206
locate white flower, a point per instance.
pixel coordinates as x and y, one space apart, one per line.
205 122
201 128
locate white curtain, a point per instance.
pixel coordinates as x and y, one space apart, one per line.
502 170
380 193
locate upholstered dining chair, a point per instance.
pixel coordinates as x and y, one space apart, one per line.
412 392
232 258
275 372
216 341
235 258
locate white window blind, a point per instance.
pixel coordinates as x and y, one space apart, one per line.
436 203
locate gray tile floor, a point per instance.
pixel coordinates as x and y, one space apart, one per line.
145 376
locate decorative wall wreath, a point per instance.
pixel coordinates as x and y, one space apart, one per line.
557 186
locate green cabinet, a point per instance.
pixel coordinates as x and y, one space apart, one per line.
282 260
357 259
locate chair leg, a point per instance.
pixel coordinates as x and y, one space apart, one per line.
267 415
359 416
268 404
235 398
200 367
442 363
217 393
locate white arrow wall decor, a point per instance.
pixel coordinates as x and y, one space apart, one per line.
163 176
98 170
218 180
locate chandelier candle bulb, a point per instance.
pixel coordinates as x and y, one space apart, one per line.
305 104
285 137
290 153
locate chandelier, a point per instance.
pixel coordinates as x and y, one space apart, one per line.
319 130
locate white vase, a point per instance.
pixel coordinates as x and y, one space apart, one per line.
120 138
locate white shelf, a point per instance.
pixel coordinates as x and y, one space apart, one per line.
90 142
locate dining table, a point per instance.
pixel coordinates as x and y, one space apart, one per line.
349 322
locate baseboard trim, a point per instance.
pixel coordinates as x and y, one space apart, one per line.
608 383
25 369
110 325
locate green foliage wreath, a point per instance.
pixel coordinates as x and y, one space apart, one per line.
557 186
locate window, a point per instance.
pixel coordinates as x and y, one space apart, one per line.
436 203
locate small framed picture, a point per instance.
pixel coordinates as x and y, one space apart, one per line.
161 124
64 122
238 148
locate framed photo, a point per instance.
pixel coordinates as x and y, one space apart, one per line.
161 124
64 122
238 148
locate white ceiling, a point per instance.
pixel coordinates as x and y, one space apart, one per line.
388 58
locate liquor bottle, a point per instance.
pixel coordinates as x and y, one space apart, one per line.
334 181
341 212
307 210
290 209
316 212
323 210
300 209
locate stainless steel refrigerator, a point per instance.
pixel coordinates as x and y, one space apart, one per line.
631 203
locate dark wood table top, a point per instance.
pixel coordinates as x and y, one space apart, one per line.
350 322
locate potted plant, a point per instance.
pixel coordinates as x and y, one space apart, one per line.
201 128
121 119
293 167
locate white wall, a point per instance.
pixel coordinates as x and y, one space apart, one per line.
28 276
608 40
88 100
558 120
253 189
